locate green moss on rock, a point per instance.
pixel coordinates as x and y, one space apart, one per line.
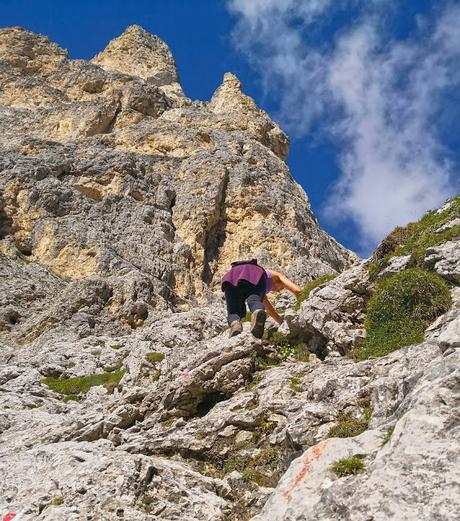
153 357
72 387
401 309
305 293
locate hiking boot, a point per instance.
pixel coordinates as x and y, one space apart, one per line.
258 323
235 328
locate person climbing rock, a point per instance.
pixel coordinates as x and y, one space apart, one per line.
247 282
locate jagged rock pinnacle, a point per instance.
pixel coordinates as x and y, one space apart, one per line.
230 100
139 53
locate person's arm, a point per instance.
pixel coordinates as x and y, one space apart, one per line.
272 311
288 284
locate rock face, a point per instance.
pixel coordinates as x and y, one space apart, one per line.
332 318
445 260
122 203
108 170
412 476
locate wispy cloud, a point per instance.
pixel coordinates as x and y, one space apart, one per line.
270 34
374 95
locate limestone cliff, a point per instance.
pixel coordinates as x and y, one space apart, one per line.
122 202
107 169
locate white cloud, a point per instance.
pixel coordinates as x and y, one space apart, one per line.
377 97
269 33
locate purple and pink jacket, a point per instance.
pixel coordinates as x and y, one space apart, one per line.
248 272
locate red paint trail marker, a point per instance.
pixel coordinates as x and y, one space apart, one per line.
310 457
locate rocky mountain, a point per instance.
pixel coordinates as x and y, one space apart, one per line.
122 203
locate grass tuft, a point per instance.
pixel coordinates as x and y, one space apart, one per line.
262 469
294 384
349 466
348 427
388 435
153 357
401 309
256 379
168 423
265 362
72 387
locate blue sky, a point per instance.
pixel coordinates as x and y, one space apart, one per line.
366 89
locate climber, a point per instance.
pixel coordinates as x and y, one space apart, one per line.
247 281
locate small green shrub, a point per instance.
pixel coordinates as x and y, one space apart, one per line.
57 501
154 357
262 469
305 293
288 346
234 463
349 466
72 387
401 309
264 362
264 428
388 435
116 346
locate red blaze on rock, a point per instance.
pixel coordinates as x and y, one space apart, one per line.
310 457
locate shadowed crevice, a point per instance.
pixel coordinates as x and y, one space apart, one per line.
216 235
